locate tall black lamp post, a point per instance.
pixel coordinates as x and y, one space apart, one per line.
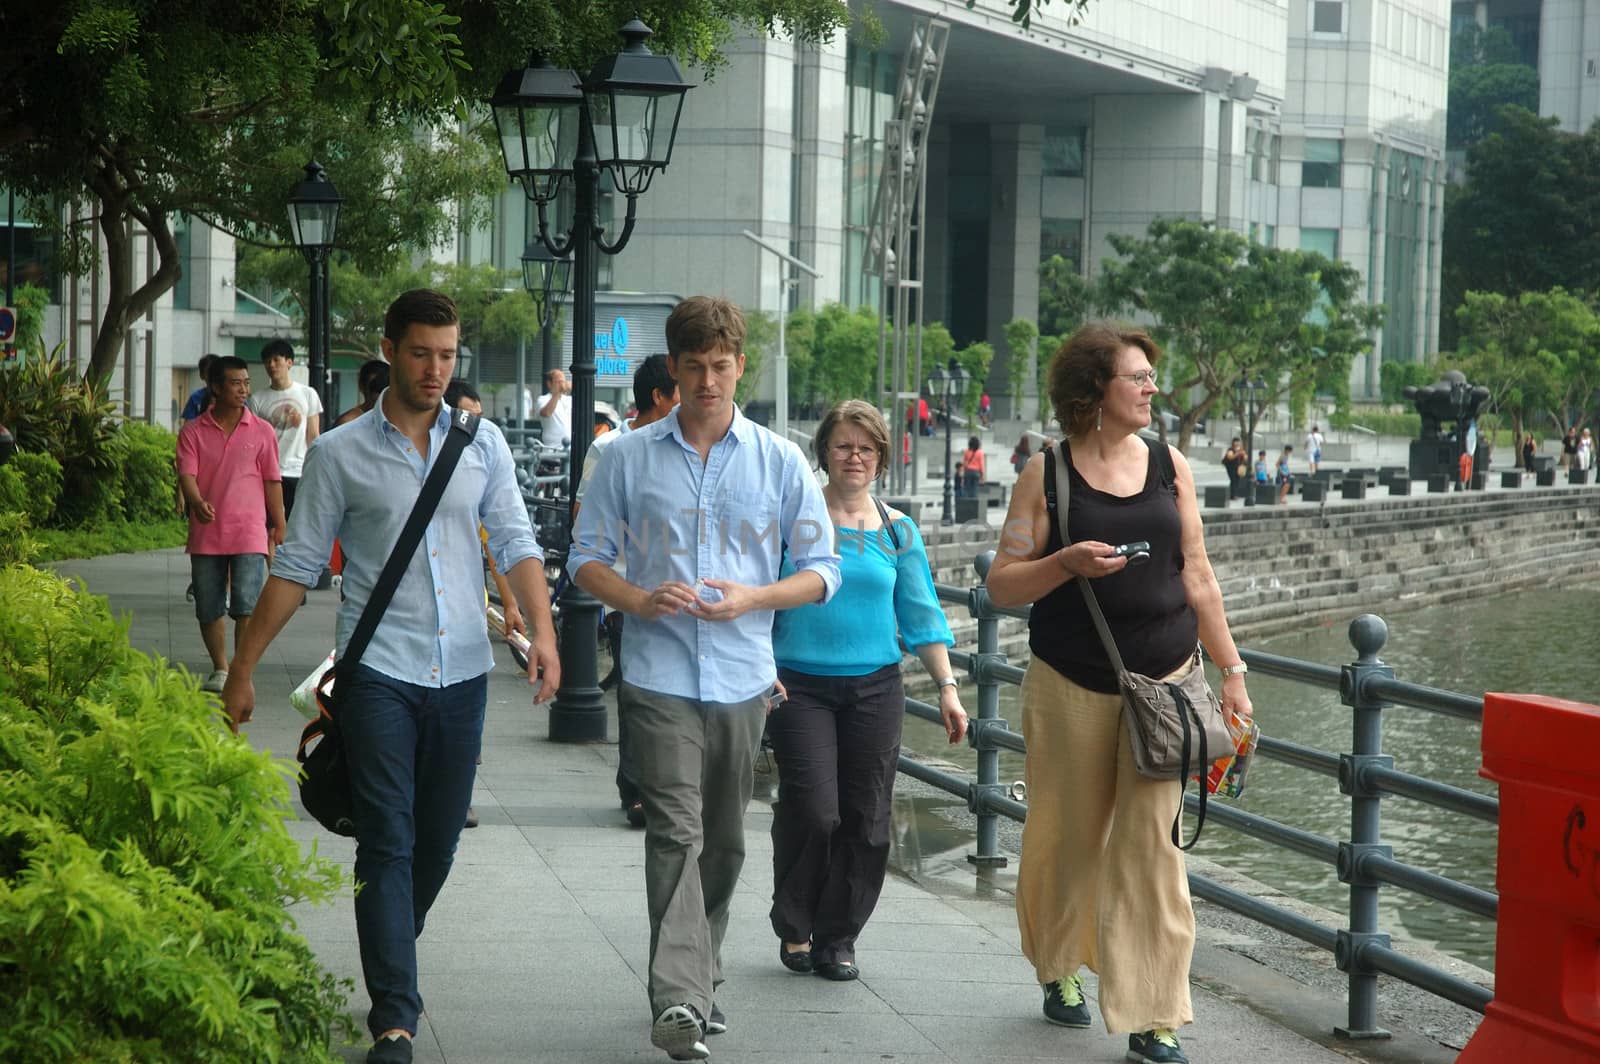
546 277
948 387
1248 395
555 127
313 223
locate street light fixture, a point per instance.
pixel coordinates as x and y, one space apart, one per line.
948 386
546 277
313 224
555 127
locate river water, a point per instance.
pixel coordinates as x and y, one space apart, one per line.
1538 641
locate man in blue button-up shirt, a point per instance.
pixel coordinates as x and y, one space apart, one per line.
411 715
702 504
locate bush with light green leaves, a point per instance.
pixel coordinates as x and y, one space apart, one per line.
145 867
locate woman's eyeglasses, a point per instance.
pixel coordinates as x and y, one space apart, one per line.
844 452
1140 379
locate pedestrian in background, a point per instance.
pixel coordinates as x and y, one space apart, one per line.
1285 475
200 398
837 736
1585 452
371 380
1101 884
293 410
228 473
1314 449
1528 448
722 500
1235 462
972 467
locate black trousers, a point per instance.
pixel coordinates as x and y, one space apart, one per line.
837 742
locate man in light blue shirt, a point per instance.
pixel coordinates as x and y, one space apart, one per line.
702 504
411 713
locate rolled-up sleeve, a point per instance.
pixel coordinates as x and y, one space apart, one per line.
502 512
916 603
596 536
318 508
808 530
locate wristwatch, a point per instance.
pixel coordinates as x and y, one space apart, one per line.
1236 670
949 681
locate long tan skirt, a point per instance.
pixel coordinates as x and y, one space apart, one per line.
1101 884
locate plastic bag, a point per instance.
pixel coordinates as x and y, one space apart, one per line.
304 697
1226 776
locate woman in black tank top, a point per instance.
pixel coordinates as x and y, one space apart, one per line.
1101 884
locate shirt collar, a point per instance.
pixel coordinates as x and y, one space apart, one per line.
245 418
442 422
742 429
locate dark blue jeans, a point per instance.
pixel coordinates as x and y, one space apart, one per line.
412 755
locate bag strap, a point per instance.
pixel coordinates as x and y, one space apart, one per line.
1186 710
883 514
463 427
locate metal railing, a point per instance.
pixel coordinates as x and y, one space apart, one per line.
1365 774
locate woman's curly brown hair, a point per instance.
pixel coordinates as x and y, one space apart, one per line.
1084 365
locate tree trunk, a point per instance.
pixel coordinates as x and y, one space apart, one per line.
124 304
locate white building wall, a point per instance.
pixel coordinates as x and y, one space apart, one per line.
1569 62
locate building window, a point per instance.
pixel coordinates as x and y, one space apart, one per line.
1324 242
1271 237
1063 151
181 226
1322 163
1064 237
1327 17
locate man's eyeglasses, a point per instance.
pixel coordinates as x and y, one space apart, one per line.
1140 379
844 451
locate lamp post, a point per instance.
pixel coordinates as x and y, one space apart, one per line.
546 277
313 223
1247 394
947 386
555 127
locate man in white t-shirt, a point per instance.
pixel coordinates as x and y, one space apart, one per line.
555 410
1314 447
293 410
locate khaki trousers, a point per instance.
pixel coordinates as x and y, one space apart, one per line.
693 762
1101 884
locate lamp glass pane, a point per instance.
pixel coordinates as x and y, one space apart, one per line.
508 123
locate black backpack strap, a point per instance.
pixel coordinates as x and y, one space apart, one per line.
888 523
1188 715
463 427
1167 472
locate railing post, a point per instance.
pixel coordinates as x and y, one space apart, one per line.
988 655
1368 633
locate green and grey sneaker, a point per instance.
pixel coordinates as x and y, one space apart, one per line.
1159 1046
1063 1003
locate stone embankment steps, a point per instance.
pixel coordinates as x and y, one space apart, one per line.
1306 562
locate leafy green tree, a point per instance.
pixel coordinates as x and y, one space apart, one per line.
760 351
211 107
1224 307
1066 298
838 348
1538 353
1022 337
1528 217
975 358
1486 73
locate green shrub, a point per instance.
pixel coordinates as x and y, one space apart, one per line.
1383 422
147 472
145 867
52 410
40 475
17 547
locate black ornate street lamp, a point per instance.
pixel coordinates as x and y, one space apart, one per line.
555 127
313 223
547 278
1248 395
948 387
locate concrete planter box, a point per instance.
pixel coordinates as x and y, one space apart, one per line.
1511 480
1400 485
1353 487
1577 476
1314 491
969 510
1546 475
910 507
1480 481
1266 494
1216 497
1438 483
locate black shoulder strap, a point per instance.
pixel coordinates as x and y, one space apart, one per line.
883 514
463 427
1164 467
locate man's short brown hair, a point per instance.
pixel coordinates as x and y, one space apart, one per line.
420 306
705 323
1083 367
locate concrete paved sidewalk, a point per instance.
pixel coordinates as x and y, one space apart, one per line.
536 949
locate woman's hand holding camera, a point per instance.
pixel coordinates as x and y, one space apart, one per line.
1090 558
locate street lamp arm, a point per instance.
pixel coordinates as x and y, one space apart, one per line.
559 248
622 239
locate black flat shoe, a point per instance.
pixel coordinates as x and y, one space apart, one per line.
799 962
838 971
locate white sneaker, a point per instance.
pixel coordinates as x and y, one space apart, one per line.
215 681
677 1030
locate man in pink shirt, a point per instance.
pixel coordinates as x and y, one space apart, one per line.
228 471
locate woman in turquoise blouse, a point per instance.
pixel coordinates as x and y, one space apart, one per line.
837 737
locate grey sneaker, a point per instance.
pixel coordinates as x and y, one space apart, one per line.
716 1023
1064 1005
678 1030
1159 1046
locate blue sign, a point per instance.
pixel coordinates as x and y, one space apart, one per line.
615 340
611 365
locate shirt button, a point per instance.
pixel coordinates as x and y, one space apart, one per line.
441 631
441 591
435 554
